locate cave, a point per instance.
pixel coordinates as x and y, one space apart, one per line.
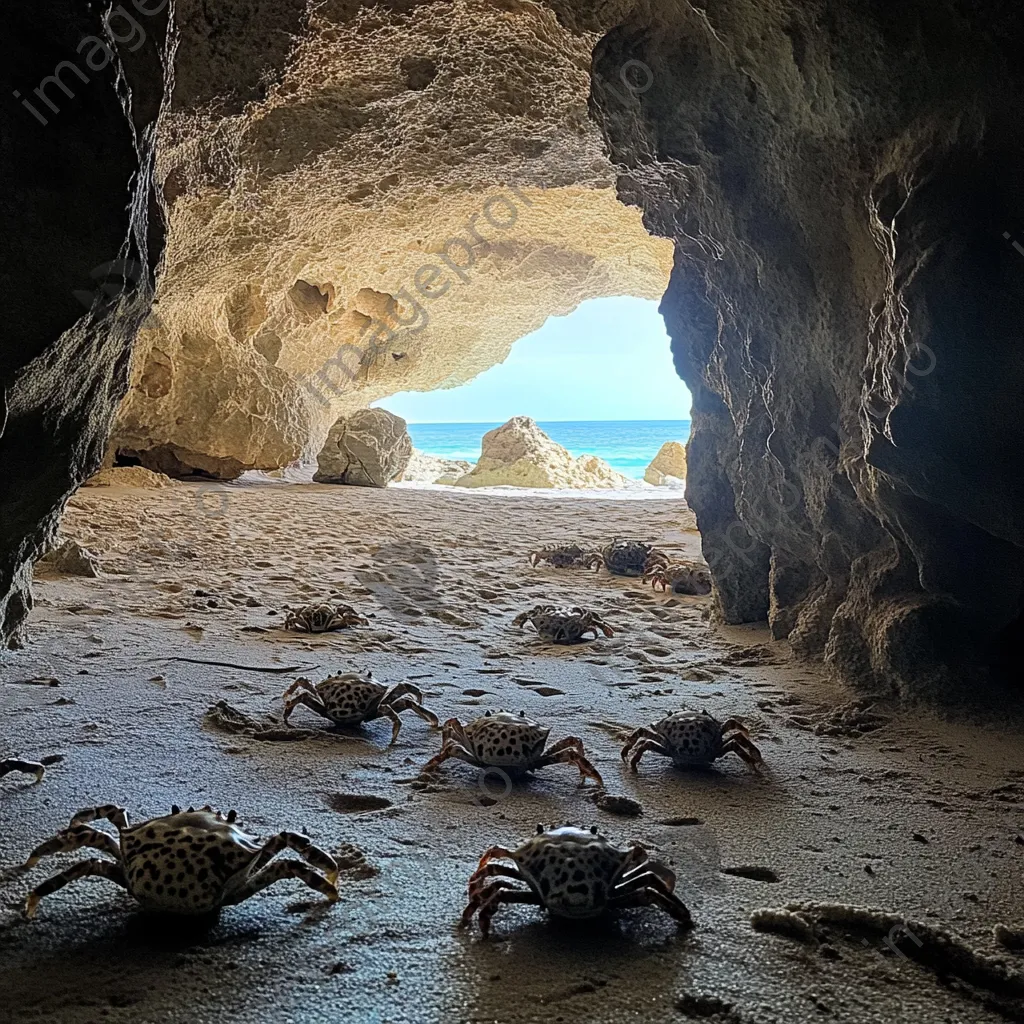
229 225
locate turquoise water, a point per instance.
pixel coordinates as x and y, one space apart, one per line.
627 445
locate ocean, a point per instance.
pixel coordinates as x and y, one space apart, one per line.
626 445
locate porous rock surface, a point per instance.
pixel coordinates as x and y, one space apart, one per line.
370 448
843 182
520 454
75 273
668 467
431 469
409 192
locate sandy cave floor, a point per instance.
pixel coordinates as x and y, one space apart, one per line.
918 816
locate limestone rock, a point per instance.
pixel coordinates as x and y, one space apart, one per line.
129 476
520 454
320 251
668 467
72 559
431 469
368 449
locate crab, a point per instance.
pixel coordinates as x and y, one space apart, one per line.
563 625
631 557
350 699
15 764
514 743
692 738
682 577
572 872
570 556
323 618
187 862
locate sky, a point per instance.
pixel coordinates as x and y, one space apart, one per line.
608 360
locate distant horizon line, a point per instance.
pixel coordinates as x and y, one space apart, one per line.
481 423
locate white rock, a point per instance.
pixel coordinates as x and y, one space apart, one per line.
668 467
368 449
520 454
431 469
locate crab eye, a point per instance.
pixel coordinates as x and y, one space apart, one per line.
175 809
522 714
487 714
232 815
540 829
593 829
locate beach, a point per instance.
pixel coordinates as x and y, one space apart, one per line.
855 806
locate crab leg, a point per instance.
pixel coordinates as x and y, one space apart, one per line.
117 816
280 870
401 689
14 764
311 701
742 745
408 704
453 748
385 711
74 838
488 899
731 724
642 747
570 751
493 854
476 880
303 846
669 902
646 733
299 684
83 869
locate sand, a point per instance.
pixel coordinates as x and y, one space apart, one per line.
893 809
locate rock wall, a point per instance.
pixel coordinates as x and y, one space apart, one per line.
410 192
80 244
843 182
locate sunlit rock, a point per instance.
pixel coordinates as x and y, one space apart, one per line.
370 448
668 467
520 454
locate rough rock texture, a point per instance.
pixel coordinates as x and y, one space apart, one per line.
306 220
129 476
75 268
430 469
72 559
668 467
367 449
520 454
844 182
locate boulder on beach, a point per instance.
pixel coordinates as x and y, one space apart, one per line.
129 476
370 448
668 467
432 469
520 454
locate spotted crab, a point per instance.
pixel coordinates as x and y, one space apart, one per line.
350 699
563 625
15 764
323 618
513 743
692 738
572 872
630 557
681 577
570 556
186 862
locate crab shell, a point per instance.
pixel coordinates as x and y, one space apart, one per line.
572 870
186 863
506 740
693 737
350 697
